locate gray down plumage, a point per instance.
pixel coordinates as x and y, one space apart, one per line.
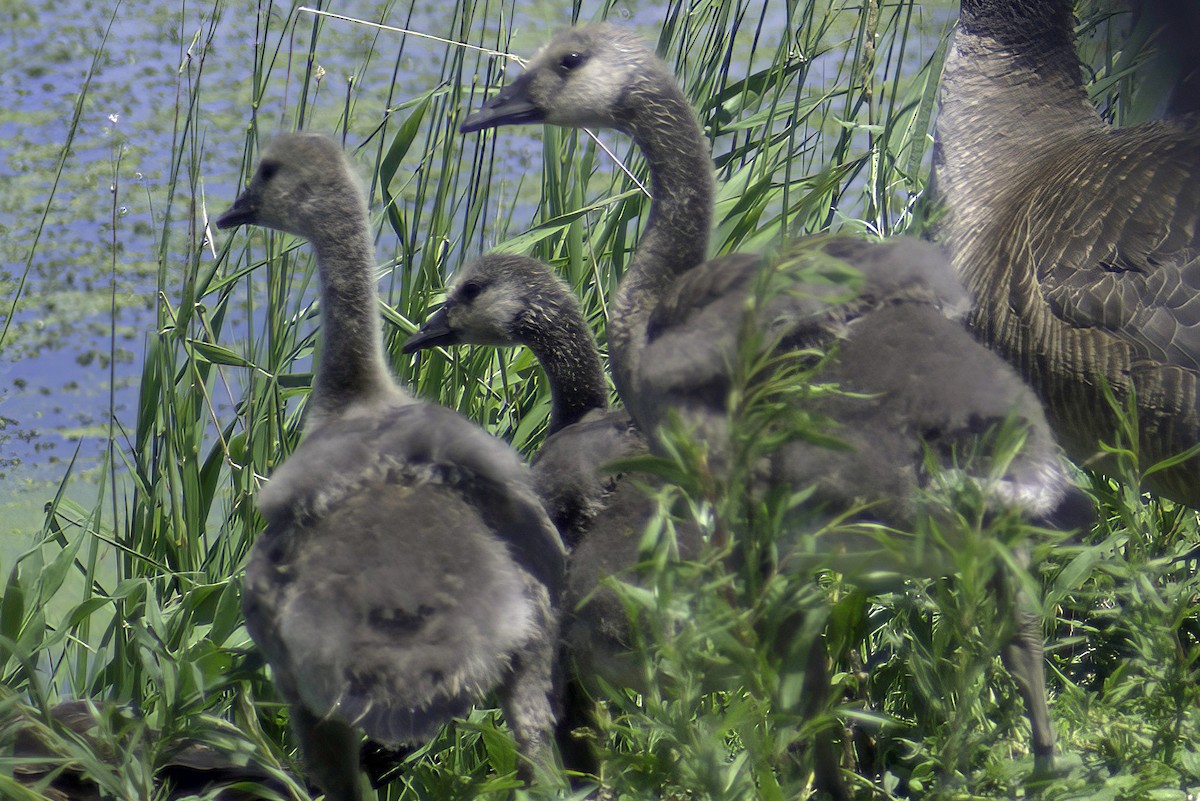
677 318
407 567
506 300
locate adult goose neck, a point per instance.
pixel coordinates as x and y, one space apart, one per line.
566 350
1028 26
1011 93
663 125
1014 60
351 367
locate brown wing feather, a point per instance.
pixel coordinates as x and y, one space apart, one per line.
1085 275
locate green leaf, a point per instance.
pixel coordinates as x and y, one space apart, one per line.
406 134
228 616
52 577
561 224
1072 576
218 354
12 606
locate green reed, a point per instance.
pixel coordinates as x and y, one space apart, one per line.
819 117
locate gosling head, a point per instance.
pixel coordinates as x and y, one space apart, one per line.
304 185
584 77
497 300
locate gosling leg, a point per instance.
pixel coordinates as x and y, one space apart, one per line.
330 750
1023 657
528 698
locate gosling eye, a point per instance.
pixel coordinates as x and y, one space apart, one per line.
470 290
267 170
570 61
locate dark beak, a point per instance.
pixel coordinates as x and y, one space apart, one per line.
243 212
433 332
510 106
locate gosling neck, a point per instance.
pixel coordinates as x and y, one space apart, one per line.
566 350
351 368
1011 91
663 125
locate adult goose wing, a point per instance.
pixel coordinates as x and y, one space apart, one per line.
1134 271
1078 241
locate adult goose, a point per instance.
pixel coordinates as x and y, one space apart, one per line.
407 567
924 385
1079 242
508 300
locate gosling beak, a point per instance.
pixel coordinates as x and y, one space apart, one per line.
244 211
433 332
510 106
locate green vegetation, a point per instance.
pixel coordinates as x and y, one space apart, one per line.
134 598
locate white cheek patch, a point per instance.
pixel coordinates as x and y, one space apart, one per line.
599 87
490 318
504 307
